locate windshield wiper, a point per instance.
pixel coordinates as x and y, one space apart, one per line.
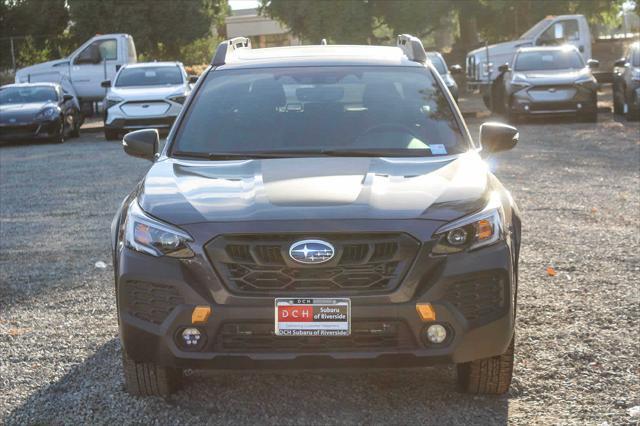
376 152
242 155
221 156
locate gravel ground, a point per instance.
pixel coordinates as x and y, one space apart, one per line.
577 352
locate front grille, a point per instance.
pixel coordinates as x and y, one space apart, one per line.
125 122
260 264
365 335
150 301
477 298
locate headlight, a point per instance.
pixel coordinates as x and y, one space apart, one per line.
148 235
471 232
179 98
48 113
111 101
519 82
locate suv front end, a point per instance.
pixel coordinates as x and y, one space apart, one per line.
228 257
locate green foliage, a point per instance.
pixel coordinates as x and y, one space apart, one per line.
160 28
199 51
30 54
360 21
35 25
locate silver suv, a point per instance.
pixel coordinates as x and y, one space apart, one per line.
145 95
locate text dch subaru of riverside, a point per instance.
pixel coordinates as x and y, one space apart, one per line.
317 206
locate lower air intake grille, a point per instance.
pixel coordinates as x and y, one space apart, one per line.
365 335
151 302
478 298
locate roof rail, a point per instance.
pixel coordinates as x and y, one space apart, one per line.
227 47
412 47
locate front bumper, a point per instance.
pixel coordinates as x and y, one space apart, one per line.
472 294
550 101
117 119
30 131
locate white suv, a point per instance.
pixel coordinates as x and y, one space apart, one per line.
145 95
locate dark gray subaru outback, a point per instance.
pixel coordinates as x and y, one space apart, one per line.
317 206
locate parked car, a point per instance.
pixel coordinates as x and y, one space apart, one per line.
98 59
551 31
37 111
144 95
318 206
626 84
445 72
549 81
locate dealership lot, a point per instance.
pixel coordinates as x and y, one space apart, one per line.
576 348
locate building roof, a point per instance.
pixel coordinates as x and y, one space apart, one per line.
317 56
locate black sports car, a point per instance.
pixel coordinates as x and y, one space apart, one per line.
37 111
549 81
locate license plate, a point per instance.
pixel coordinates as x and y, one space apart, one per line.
313 317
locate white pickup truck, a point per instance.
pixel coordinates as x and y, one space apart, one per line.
482 64
82 72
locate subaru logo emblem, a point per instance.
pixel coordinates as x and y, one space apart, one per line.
311 251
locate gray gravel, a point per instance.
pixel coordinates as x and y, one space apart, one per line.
577 338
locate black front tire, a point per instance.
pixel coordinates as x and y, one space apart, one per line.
488 376
59 137
618 107
149 379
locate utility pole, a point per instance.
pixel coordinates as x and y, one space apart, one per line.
13 54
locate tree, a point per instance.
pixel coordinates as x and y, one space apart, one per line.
160 28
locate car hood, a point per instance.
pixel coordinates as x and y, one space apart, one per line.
45 71
148 93
185 192
568 76
21 112
499 53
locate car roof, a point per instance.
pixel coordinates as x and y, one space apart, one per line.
317 56
548 48
43 84
154 64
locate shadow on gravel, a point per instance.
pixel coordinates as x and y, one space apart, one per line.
93 391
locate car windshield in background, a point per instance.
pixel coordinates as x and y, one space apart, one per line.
149 76
438 63
548 60
394 111
25 95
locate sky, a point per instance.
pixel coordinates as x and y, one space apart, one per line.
243 4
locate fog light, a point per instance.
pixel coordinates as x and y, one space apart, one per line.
436 333
526 107
579 106
191 337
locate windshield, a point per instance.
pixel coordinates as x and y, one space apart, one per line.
438 63
548 60
531 32
397 109
149 76
25 95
